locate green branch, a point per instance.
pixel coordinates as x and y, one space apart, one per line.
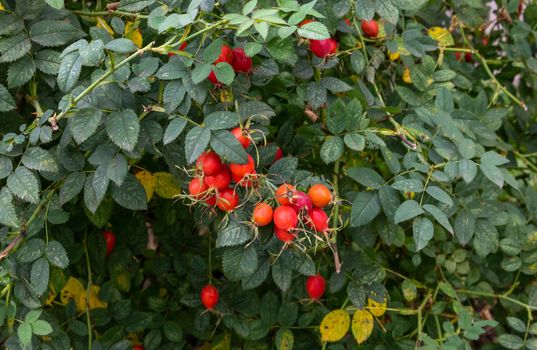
108 13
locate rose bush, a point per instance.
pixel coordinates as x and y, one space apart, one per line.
268 174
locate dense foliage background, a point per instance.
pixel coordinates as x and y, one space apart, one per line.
424 134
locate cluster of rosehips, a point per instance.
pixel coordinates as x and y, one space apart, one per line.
315 287
327 47
295 207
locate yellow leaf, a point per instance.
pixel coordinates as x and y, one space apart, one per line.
94 301
406 76
51 296
335 325
122 281
221 342
376 308
133 33
441 35
394 55
148 182
166 185
101 23
72 290
1 7
362 325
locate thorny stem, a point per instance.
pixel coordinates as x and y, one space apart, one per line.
109 13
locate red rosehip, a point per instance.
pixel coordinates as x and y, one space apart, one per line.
242 136
306 21
285 217
301 201
197 188
241 62
138 347
278 155
209 296
262 215
226 55
241 170
220 180
209 162
283 235
315 286
370 28
110 239
323 48
318 219
227 200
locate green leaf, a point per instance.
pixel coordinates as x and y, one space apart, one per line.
123 129
486 240
332 149
357 294
36 158
228 147
174 69
8 215
281 273
20 72
365 208
41 327
387 10
354 141
221 120
130 194
467 169
172 331
117 169
439 216
408 185
174 129
409 5
365 9
48 61
358 62
121 45
134 5
302 262
239 263
54 33
83 123
440 195
39 276
24 185
283 170
201 72
25 333
10 23
465 227
516 324
6 167
389 200
285 339
493 173
14 47
252 48
314 30
7 103
174 94
69 71
366 177
33 315
233 234
406 211
423 230
31 251
510 341
224 73
316 95
196 141
56 254
259 276
213 50
57 4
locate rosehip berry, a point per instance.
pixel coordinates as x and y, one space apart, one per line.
370 28
211 200
241 179
262 215
320 195
241 170
347 21
110 239
278 155
285 217
197 188
209 296
227 200
301 201
220 180
283 235
241 62
226 55
315 286
138 347
306 21
324 47
242 136
318 219
209 162
284 193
